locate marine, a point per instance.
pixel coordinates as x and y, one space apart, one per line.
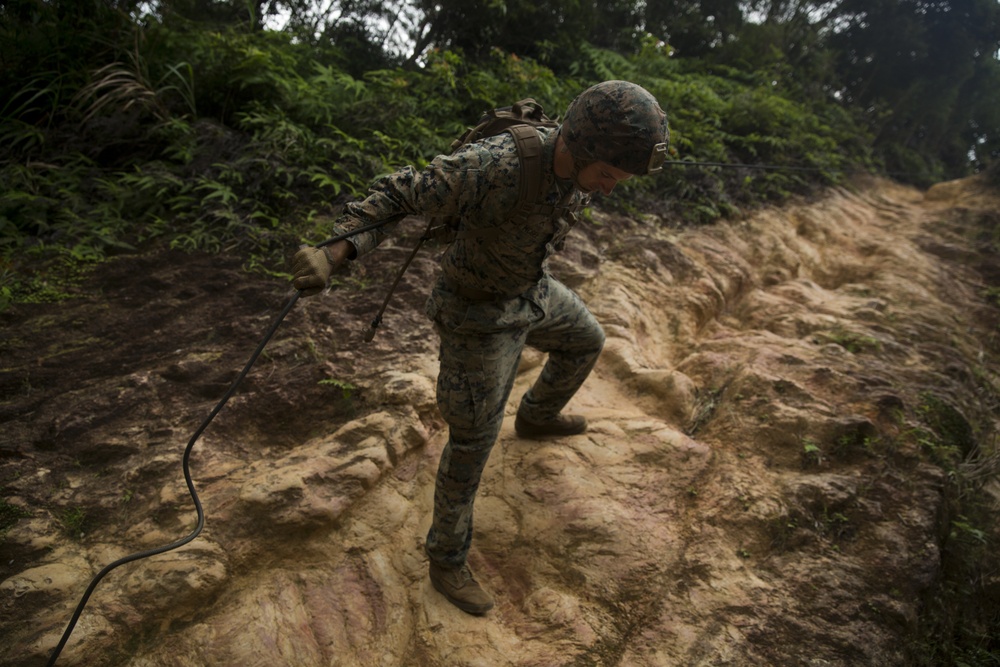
495 295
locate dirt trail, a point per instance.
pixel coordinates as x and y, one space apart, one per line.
764 481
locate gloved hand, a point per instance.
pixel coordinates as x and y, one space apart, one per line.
312 267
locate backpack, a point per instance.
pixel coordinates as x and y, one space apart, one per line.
520 119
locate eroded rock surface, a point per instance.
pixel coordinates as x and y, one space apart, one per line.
761 483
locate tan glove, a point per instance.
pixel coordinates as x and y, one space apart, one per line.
312 267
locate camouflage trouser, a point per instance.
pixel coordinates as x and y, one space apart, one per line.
481 346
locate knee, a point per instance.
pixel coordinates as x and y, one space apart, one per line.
595 338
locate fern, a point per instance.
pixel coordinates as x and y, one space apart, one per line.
603 65
256 138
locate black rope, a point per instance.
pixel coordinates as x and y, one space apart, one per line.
776 167
187 458
377 320
739 165
187 478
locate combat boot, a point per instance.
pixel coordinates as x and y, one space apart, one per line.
552 428
461 589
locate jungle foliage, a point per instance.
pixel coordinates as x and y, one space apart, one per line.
215 124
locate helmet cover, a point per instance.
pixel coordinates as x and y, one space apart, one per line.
620 123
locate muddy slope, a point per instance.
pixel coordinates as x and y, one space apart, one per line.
778 420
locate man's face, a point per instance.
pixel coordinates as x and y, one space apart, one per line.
600 177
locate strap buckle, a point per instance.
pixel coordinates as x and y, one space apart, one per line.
656 158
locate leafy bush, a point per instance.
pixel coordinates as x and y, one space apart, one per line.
223 139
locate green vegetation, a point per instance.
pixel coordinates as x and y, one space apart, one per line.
959 614
188 123
10 514
812 453
960 620
74 521
346 388
191 124
853 342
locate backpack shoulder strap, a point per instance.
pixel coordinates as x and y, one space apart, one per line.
529 153
529 150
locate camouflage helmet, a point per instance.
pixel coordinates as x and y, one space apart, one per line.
619 123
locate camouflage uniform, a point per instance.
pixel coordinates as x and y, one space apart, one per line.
494 296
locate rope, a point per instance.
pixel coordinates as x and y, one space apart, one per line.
377 320
190 485
186 461
739 165
775 167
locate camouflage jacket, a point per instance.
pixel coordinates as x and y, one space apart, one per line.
480 184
